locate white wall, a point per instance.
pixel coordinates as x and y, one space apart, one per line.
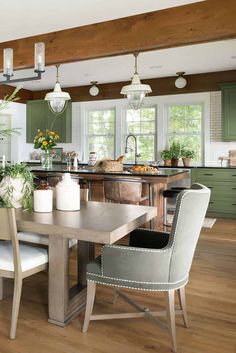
16 113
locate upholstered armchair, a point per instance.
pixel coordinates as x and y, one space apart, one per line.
154 261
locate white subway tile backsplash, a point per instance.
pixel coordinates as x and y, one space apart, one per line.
217 146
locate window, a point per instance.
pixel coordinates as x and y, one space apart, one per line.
101 132
185 126
142 123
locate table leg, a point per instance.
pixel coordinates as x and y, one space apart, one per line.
151 203
85 254
64 303
158 201
58 288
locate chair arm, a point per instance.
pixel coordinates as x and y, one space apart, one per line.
136 264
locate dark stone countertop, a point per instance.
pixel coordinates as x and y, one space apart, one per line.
84 169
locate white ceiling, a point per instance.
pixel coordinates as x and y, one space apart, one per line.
200 58
30 17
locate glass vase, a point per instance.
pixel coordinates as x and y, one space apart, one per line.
47 160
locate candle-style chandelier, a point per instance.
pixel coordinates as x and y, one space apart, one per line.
39 64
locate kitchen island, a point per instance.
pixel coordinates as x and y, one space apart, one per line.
153 184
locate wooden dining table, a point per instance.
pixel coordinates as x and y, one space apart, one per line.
96 222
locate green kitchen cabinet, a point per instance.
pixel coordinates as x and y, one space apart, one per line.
35 119
39 116
229 112
222 183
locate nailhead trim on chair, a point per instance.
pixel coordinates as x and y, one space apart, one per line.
136 288
130 281
166 249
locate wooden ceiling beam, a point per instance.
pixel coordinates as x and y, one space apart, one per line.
23 94
178 26
206 82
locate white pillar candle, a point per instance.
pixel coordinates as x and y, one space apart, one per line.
43 200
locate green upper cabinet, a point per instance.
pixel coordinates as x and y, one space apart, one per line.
229 112
39 116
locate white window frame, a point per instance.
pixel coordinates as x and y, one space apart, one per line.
184 133
86 107
88 135
161 102
125 130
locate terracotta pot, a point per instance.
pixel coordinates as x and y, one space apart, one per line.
174 162
186 161
167 162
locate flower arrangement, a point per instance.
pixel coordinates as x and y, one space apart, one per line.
45 140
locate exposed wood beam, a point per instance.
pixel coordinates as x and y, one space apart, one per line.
160 86
24 94
178 26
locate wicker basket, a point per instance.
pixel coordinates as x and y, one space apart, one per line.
110 166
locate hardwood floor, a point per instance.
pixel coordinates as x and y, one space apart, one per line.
211 300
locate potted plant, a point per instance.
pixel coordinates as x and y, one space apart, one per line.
16 186
166 156
175 150
187 154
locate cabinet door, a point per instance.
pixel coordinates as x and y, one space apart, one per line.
61 124
39 116
229 112
35 119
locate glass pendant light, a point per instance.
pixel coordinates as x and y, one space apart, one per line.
180 82
94 90
57 100
136 91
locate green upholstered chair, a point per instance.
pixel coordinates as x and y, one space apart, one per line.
154 261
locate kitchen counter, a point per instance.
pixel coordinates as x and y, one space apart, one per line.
202 166
59 168
85 166
153 184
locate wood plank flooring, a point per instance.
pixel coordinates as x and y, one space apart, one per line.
211 300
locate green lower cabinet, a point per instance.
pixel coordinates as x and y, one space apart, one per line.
39 116
222 183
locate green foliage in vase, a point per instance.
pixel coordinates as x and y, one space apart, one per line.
4 105
16 171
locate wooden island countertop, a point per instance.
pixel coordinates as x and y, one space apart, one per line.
155 184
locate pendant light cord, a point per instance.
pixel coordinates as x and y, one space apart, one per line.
136 63
57 76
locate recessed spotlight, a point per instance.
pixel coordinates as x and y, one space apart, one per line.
156 67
